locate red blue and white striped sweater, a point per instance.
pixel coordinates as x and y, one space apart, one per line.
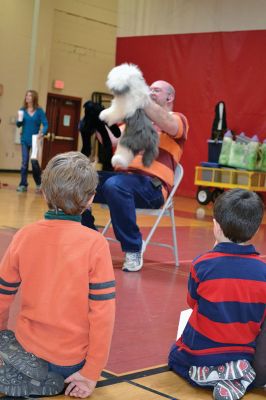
227 292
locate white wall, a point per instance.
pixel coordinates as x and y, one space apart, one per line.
75 43
162 17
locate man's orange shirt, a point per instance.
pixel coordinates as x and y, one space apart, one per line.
170 151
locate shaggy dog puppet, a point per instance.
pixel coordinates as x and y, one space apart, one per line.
91 123
131 94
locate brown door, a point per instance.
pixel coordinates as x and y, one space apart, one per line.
63 114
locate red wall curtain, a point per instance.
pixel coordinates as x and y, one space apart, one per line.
206 68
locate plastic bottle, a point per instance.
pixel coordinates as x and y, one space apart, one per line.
252 153
238 151
226 147
237 155
242 137
263 156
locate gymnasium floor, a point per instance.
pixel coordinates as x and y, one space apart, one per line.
148 302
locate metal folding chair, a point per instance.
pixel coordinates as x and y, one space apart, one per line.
166 211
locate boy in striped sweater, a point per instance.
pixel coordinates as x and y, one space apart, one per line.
227 293
67 291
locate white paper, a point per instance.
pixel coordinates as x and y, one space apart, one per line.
66 120
17 135
34 148
183 319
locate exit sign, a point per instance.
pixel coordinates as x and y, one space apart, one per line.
59 84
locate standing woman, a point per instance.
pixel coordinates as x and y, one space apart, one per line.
30 117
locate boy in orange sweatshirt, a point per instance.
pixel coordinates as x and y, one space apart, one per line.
66 280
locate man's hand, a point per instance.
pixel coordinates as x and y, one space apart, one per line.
161 118
79 386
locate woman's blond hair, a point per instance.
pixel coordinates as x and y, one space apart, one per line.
68 182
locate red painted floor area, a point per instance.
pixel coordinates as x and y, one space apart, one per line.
148 306
149 302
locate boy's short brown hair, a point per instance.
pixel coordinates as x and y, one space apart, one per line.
239 213
68 182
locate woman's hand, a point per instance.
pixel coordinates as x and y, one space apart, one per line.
40 135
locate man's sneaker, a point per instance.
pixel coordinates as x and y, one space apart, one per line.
22 188
134 261
38 189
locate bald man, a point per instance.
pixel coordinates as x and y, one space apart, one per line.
139 186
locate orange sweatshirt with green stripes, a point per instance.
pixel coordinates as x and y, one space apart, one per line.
65 276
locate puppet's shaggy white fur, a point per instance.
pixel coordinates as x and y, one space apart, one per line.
131 95
130 91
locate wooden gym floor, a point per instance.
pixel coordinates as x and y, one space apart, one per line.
148 302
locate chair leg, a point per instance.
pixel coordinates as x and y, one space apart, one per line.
148 238
175 248
107 226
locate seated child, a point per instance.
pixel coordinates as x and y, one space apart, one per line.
67 287
227 293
